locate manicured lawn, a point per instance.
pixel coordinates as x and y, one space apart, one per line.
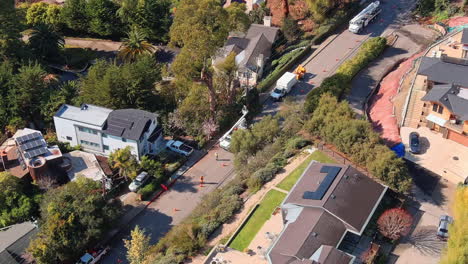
292 178
271 200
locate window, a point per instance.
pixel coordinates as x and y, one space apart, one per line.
106 147
91 144
124 139
69 138
104 135
441 109
87 130
437 108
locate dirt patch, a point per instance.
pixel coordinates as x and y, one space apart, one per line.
381 110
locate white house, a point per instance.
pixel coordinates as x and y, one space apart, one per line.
101 130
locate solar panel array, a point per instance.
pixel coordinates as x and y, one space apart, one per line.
32 145
332 172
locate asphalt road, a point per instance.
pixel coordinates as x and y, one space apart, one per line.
395 13
175 205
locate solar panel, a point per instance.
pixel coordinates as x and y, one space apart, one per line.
332 172
35 152
32 144
28 137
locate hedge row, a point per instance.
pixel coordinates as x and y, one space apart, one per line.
340 82
283 64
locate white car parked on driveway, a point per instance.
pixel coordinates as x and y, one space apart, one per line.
138 182
179 147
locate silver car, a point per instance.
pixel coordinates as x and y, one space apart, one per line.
138 182
442 230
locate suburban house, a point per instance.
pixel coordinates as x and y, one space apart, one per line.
440 89
27 155
14 240
101 130
252 50
327 202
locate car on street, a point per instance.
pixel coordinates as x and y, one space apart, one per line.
139 181
442 230
179 147
225 142
415 144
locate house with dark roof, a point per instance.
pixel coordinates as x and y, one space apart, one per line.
14 240
327 202
441 89
252 50
101 130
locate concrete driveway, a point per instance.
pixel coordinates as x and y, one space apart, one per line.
442 156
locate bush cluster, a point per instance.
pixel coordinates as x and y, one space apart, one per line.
334 122
340 82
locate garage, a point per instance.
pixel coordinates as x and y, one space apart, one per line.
459 138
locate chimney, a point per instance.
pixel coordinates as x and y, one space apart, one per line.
267 21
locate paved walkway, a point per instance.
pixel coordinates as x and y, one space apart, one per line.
176 204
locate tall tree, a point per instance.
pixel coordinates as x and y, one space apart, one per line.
137 246
29 86
153 18
125 162
10 31
72 216
45 42
131 85
75 16
135 45
457 250
102 17
16 205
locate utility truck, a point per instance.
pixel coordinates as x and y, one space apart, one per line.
364 17
283 85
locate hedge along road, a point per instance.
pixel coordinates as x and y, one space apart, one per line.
171 208
395 13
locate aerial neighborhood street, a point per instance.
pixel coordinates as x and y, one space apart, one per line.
222 131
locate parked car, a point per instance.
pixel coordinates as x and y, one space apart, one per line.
139 181
179 147
225 142
442 230
94 257
415 146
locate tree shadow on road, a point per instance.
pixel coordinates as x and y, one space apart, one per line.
425 240
184 184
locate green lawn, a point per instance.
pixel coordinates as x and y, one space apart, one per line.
271 200
291 179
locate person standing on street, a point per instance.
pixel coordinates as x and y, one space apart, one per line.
216 155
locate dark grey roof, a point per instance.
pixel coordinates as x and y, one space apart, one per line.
14 241
312 229
331 255
256 29
445 70
446 95
128 123
464 38
239 42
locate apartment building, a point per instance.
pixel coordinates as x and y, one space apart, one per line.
101 130
440 89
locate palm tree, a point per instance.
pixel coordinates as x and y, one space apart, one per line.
45 41
124 161
135 45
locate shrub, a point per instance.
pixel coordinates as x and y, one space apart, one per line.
395 223
147 190
340 82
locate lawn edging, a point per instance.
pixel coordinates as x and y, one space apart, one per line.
246 219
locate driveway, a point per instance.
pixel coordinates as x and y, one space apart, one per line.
395 13
442 156
176 204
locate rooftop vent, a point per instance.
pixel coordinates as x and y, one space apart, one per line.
333 196
314 234
84 107
346 177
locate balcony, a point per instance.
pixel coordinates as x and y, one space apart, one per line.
455 125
